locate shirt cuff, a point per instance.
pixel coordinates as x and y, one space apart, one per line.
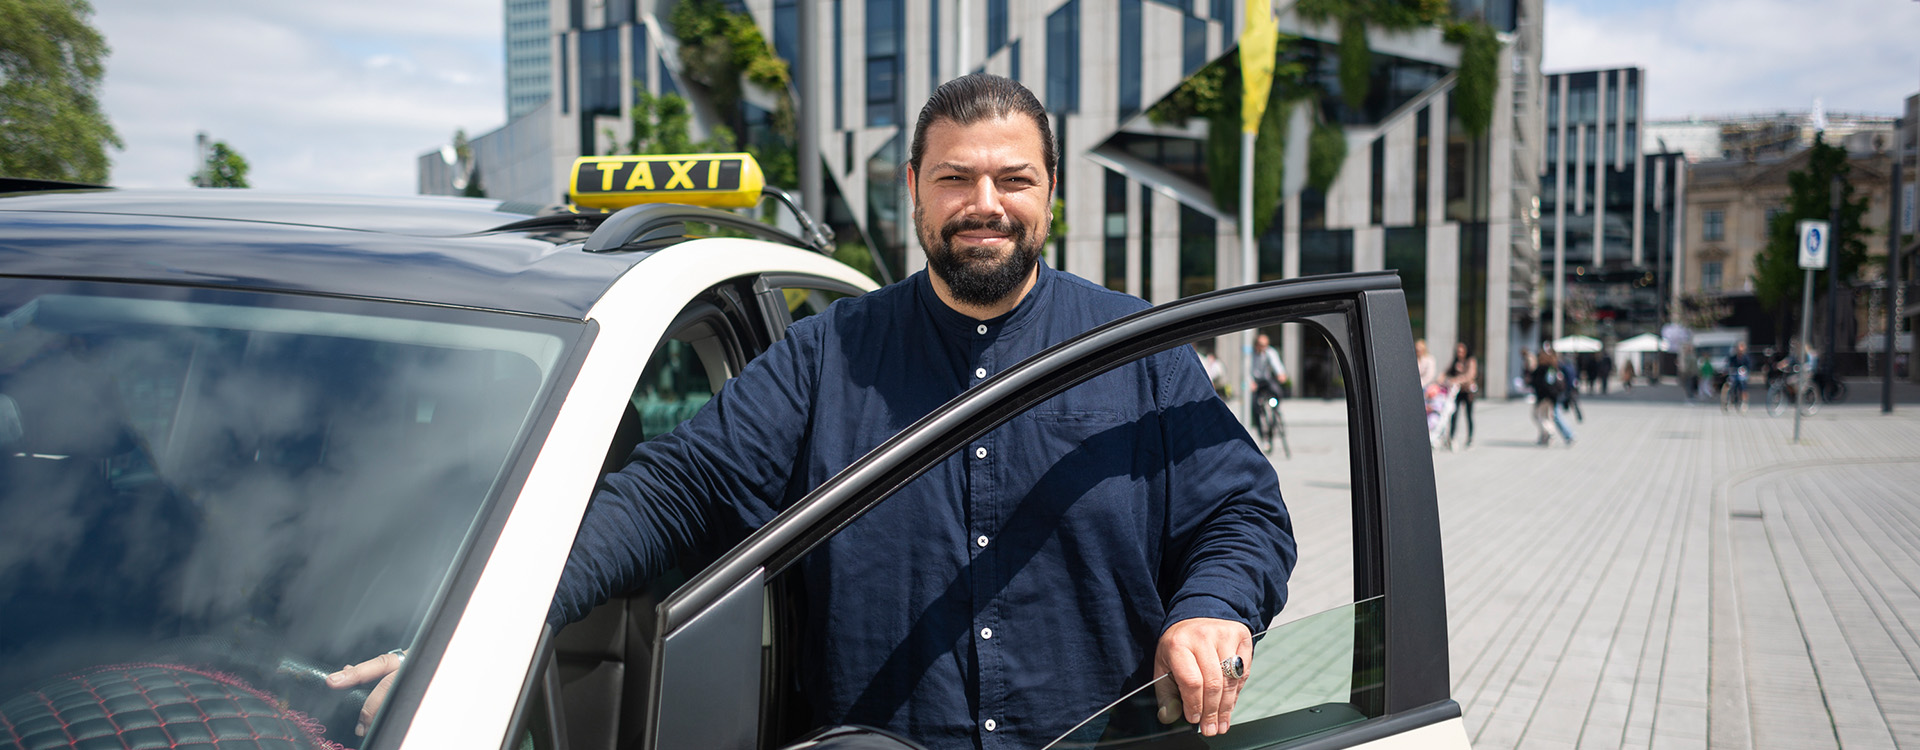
1202 605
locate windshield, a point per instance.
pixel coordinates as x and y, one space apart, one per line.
240 491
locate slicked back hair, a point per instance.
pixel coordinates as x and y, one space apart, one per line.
982 96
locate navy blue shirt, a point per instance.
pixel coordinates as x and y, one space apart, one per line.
1016 588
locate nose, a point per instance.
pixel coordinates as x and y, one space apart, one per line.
984 199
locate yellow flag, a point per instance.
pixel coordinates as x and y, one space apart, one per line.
1257 43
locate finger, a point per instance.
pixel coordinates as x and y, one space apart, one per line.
364 672
1232 694
375 699
1191 677
1168 695
1213 684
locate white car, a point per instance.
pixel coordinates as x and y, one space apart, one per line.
246 438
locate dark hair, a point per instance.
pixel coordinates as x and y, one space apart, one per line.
980 96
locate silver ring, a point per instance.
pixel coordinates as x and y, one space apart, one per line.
1234 668
400 657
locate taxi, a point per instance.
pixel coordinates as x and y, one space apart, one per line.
246 438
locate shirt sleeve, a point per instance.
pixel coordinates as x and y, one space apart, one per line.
701 487
1231 547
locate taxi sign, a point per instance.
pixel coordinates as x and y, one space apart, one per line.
713 180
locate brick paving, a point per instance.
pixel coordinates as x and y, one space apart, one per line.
1679 578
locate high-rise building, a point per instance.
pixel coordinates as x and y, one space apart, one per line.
529 56
1609 210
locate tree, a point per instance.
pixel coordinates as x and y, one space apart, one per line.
51 61
225 168
662 124
723 52
1777 276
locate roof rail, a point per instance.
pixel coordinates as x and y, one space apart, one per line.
656 221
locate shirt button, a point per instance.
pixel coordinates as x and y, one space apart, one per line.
986 634
983 332
980 373
982 541
979 453
990 725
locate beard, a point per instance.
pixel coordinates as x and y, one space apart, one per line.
974 275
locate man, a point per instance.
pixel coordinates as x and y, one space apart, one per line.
1269 374
1125 529
1738 363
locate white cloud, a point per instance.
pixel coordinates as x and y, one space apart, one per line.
1713 57
339 96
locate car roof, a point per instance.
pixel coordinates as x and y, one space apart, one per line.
460 252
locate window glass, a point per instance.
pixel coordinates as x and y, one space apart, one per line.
1710 275
248 489
1713 225
1129 49
1063 58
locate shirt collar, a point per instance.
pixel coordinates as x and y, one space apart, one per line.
955 323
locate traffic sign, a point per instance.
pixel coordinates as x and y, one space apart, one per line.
1813 243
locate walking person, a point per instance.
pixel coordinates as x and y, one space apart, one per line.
1548 382
1569 398
1626 375
1464 374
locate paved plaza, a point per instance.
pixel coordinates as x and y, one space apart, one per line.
1679 578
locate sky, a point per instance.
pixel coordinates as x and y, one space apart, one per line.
344 95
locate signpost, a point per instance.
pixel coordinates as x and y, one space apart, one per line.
1814 241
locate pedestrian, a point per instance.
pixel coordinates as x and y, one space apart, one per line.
1626 375
1464 374
1569 396
1605 371
1423 361
1548 381
1158 553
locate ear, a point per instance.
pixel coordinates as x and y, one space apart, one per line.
913 186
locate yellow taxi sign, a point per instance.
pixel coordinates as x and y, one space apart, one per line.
714 180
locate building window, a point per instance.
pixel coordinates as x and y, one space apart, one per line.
1146 242
1063 58
1710 275
1771 213
996 25
1378 189
1222 11
1013 60
786 31
600 72
566 83
1406 252
1713 225
883 62
667 85
933 45
1193 45
839 68
641 56
1198 236
619 12
1129 49
1115 231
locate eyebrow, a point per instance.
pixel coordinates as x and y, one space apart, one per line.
964 169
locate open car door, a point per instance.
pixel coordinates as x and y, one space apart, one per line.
1382 679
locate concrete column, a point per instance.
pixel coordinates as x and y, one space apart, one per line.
1134 240
1166 249
1443 290
1290 268
1398 173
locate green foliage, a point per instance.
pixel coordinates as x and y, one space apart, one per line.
1270 161
722 50
1479 74
1777 276
1199 96
1356 61
661 125
225 168
51 61
1326 151
855 255
1057 226
1222 150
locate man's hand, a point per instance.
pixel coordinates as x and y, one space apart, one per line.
1191 651
380 668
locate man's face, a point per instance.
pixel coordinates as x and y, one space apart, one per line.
982 203
1260 341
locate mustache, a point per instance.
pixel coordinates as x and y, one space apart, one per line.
1001 224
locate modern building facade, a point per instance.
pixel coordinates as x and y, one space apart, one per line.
1455 214
529 56
1609 208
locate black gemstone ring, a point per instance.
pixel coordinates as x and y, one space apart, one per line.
1234 668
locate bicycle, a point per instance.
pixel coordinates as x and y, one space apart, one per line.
1794 389
1727 401
1272 426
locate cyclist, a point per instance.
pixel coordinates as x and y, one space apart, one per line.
1269 376
1737 365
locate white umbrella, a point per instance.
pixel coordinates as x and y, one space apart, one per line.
1645 342
1577 343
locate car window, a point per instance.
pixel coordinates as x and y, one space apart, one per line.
240 490
1307 676
807 295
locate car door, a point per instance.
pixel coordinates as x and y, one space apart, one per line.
717 656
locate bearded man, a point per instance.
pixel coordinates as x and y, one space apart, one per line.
1123 530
